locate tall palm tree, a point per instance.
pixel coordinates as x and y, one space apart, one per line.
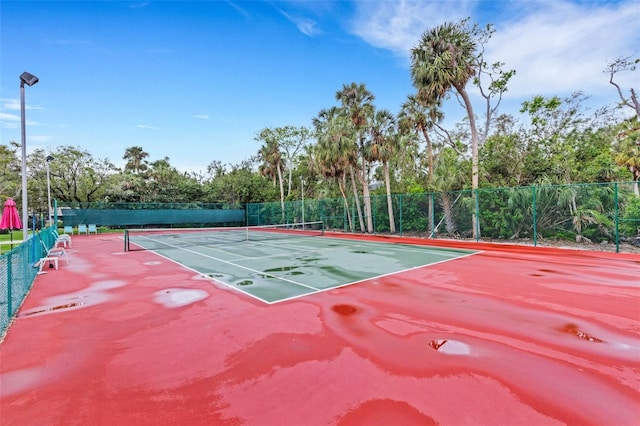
334 151
357 105
135 157
421 117
445 59
383 146
448 177
272 161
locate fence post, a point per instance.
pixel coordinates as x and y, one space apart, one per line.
9 302
477 213
432 213
617 212
533 212
400 212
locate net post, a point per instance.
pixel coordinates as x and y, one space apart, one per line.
126 240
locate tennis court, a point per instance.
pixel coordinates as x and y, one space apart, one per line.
276 263
400 332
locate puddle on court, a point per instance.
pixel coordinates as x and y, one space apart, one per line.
345 310
54 308
451 347
575 331
177 297
281 269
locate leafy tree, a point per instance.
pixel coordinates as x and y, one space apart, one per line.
75 175
622 64
497 76
10 169
628 149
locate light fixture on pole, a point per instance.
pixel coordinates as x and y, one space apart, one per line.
49 159
29 80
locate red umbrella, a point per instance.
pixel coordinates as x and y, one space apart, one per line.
10 217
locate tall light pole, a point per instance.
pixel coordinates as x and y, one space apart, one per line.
49 158
29 80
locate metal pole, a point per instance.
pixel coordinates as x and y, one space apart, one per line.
49 193
25 216
302 187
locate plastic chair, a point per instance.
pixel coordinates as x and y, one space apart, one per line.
82 229
68 230
92 228
51 256
63 238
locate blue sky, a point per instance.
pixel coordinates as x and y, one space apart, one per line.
196 81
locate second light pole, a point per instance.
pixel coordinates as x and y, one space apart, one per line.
29 80
49 159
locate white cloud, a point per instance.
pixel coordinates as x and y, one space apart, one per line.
41 138
563 47
14 105
201 116
555 47
305 25
9 117
12 121
145 126
398 25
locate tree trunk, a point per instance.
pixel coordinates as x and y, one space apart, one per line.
447 207
474 159
341 185
431 224
429 178
392 222
281 193
357 199
367 199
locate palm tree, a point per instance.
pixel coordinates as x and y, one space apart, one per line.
135 157
357 105
448 177
383 146
334 151
272 161
420 117
445 59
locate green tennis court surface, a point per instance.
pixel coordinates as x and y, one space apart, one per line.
274 267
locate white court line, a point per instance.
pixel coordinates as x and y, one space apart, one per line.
316 290
232 264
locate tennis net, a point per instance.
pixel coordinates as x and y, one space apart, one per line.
166 238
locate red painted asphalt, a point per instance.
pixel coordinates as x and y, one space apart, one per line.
510 336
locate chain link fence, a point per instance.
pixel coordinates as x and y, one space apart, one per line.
18 270
597 213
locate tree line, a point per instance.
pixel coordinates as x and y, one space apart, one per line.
353 149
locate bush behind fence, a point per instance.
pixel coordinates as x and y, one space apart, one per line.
582 212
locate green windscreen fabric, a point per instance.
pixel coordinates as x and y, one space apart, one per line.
130 217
